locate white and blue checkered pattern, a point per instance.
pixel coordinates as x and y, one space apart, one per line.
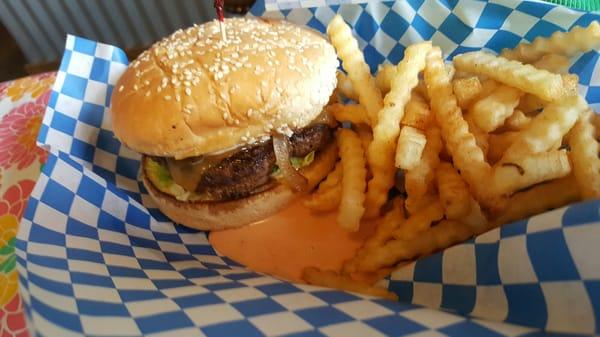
384 28
96 258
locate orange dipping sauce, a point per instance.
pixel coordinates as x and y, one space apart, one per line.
285 243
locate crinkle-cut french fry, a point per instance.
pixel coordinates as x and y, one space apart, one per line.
383 232
554 63
441 236
517 121
325 200
527 78
454 192
450 70
531 104
386 227
354 63
596 123
540 198
569 43
475 218
420 221
366 136
481 137
344 86
354 177
417 113
421 89
584 155
386 131
334 178
414 204
468 158
546 129
519 173
354 113
419 180
466 90
327 196
386 72
371 277
499 143
411 143
330 279
384 76
490 112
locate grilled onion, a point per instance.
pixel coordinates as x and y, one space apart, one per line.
291 177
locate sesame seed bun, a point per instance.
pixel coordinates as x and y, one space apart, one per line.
193 93
237 213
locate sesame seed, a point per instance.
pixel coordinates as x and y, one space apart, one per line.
167 98
121 88
188 91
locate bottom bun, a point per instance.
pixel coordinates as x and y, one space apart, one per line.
237 213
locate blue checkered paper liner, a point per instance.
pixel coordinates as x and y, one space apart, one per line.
277 5
96 258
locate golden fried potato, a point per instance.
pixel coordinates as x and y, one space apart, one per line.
383 232
518 173
344 86
481 137
517 121
596 123
454 192
542 83
468 158
475 218
419 181
331 279
384 76
584 155
546 129
554 63
329 193
366 136
385 133
420 221
490 112
411 143
417 113
354 63
354 177
499 143
441 236
325 200
414 204
466 90
538 199
578 40
353 113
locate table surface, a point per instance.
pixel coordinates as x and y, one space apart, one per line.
22 105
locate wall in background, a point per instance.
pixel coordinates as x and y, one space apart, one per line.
40 26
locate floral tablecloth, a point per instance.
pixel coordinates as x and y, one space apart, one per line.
22 105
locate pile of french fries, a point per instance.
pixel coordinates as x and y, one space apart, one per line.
470 146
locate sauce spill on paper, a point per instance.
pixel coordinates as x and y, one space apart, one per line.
286 242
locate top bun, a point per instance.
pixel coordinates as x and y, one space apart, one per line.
193 93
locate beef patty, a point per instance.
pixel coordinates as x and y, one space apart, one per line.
248 170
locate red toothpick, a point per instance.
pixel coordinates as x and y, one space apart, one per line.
221 16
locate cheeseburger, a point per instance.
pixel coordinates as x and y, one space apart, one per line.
231 130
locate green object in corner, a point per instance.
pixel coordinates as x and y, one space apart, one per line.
585 5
